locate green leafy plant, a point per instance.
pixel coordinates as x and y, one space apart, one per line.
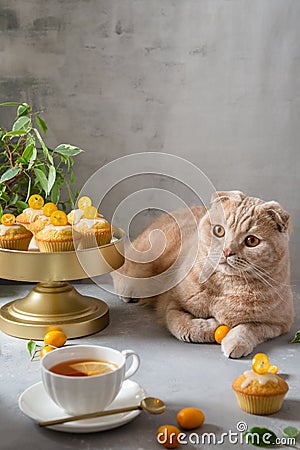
32 348
35 350
28 166
296 338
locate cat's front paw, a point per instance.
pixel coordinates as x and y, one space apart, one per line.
195 330
235 345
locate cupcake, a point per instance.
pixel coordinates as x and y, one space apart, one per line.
77 214
31 214
94 230
58 235
260 390
38 224
13 236
42 220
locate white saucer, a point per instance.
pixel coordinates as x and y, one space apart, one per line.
36 404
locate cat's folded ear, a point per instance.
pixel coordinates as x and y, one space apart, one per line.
280 216
227 195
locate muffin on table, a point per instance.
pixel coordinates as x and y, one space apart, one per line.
13 236
58 235
260 390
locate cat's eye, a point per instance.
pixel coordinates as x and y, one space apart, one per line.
252 241
218 231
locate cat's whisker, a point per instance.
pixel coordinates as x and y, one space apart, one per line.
238 264
263 272
243 267
254 270
243 275
261 276
241 263
271 278
267 283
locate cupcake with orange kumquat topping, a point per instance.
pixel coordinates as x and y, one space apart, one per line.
31 214
58 236
13 236
44 219
77 214
94 230
260 390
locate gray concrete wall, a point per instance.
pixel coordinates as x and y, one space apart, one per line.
214 81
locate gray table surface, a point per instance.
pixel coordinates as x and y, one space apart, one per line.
181 374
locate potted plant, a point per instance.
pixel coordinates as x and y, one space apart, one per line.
28 166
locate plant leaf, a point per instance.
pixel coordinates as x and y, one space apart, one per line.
71 201
1 210
68 150
5 197
51 178
30 139
261 437
42 180
77 194
43 145
14 133
23 123
42 167
21 205
55 193
14 199
21 160
33 158
41 124
28 190
23 110
64 159
31 347
10 104
9 174
27 154
296 338
291 432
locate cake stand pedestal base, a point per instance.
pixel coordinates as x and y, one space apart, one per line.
53 305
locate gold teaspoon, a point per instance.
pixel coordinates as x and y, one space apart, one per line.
151 405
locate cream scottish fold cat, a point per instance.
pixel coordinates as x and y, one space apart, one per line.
238 274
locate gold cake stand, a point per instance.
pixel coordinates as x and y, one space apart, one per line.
53 303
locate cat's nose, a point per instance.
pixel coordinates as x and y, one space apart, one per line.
227 252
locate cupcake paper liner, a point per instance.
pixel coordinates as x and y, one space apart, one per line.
258 404
55 246
16 244
90 240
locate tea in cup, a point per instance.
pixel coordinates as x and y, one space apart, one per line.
86 378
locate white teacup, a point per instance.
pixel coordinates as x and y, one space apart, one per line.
86 394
